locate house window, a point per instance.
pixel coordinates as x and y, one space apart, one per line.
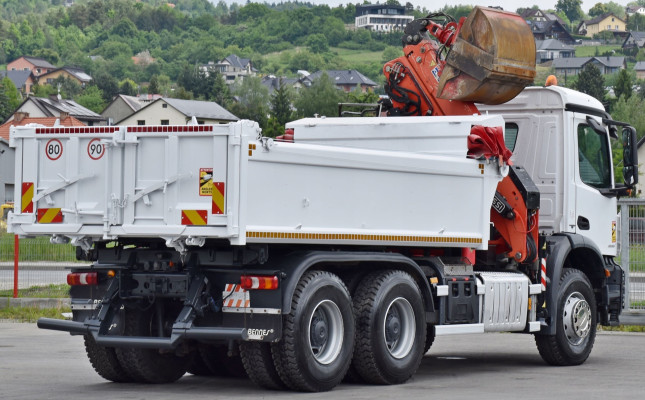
165 122
141 122
164 105
616 27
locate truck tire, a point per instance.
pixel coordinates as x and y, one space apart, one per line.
105 362
575 322
149 365
216 358
318 334
258 363
390 327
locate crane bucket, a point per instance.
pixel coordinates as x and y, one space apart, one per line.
492 59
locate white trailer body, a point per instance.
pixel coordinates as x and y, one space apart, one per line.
90 184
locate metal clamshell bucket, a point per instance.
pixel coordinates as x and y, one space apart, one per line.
491 61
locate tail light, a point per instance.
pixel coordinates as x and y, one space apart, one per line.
258 282
83 278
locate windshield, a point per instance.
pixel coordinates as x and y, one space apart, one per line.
593 158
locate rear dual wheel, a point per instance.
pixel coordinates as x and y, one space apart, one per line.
390 327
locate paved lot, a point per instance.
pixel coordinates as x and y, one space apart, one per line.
37 364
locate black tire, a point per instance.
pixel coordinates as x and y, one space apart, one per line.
258 363
105 362
216 358
390 327
430 335
575 322
149 365
318 334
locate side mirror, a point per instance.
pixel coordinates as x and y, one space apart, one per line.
630 156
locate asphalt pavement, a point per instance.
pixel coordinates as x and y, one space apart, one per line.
40 364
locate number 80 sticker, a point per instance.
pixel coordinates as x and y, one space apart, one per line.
95 149
54 149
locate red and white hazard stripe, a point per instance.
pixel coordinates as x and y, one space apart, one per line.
543 274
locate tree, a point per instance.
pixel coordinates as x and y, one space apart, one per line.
571 8
5 108
12 93
321 98
591 82
281 104
153 88
91 98
598 9
623 86
128 87
253 100
317 43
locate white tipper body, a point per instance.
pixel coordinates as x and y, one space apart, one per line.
369 181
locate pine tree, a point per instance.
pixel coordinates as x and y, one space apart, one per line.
281 104
5 108
623 86
591 82
153 88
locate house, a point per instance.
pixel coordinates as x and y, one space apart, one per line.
605 22
22 80
574 65
634 9
381 17
550 49
56 107
73 73
273 83
121 107
232 68
634 40
639 68
347 80
167 111
37 66
547 26
7 154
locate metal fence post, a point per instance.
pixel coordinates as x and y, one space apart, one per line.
624 249
16 255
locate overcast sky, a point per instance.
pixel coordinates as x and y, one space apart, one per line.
509 5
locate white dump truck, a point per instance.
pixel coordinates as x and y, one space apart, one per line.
340 251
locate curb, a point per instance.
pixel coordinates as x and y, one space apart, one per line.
34 302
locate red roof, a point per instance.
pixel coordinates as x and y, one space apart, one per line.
46 121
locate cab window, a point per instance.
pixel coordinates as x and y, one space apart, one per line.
593 158
510 135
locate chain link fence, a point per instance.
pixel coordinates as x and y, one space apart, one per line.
631 252
42 267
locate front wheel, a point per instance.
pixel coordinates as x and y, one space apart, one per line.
575 322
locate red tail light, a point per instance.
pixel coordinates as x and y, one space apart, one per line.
258 282
82 278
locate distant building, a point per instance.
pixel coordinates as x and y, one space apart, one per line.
167 111
547 26
73 73
550 49
37 66
121 107
634 40
273 83
58 108
639 68
574 65
635 9
605 22
347 80
22 80
381 17
231 68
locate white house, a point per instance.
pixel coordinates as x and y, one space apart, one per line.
381 17
167 111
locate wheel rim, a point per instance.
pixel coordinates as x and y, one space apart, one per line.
399 328
326 332
576 318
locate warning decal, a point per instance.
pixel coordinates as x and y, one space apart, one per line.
194 217
205 181
235 296
27 205
613 231
218 197
49 216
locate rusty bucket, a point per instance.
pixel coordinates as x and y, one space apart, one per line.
491 61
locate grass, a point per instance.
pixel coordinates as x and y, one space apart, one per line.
31 314
590 51
623 328
40 292
35 249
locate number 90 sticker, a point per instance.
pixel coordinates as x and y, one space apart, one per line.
54 149
95 149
